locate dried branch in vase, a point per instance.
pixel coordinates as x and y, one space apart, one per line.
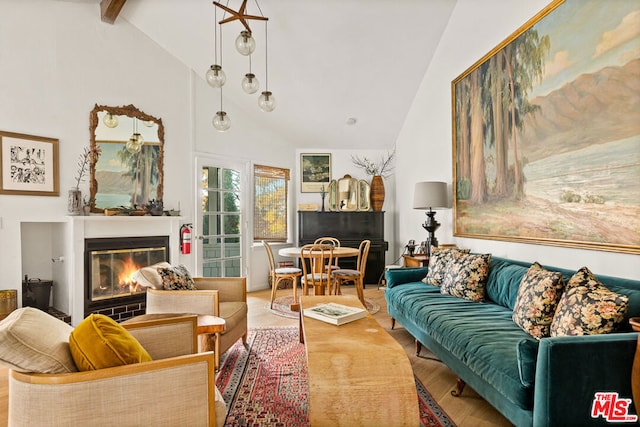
382 168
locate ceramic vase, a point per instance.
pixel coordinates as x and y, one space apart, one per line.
377 193
74 202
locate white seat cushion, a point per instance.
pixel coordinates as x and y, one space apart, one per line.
288 270
346 272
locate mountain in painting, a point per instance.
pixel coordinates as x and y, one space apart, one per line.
594 108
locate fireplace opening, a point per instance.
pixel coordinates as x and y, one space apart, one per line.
109 265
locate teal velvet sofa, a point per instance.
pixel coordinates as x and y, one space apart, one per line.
547 382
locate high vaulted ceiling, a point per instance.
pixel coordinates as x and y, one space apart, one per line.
328 61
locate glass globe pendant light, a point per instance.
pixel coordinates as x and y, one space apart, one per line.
266 101
221 121
110 120
250 83
134 145
245 43
215 76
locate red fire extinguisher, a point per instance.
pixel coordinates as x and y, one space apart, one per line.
185 239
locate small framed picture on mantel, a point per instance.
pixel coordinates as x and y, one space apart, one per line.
29 165
315 172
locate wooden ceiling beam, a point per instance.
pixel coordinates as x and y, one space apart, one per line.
110 9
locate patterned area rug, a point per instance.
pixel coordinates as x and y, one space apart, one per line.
282 307
267 384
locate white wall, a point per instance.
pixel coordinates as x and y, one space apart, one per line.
424 145
58 60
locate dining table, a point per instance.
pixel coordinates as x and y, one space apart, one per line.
338 252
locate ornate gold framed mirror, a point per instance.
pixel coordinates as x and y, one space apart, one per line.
364 195
347 194
130 170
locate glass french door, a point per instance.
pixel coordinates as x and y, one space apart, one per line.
220 219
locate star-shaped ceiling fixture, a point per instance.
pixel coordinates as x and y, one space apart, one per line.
240 15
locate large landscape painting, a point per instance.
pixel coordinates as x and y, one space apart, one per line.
546 131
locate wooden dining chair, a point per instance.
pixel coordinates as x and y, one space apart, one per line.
329 241
314 258
282 274
338 277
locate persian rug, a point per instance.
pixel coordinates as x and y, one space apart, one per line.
282 307
266 384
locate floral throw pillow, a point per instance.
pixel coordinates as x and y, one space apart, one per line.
587 307
467 276
177 278
439 264
538 296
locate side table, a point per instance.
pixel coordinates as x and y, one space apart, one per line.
417 260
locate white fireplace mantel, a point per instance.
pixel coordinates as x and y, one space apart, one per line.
99 226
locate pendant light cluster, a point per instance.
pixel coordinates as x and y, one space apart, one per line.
136 141
245 45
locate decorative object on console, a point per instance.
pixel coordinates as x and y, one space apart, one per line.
323 194
75 203
430 195
378 171
28 165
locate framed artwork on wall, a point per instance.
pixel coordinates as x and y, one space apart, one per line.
546 136
29 165
315 172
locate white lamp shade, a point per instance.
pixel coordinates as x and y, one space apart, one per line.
430 195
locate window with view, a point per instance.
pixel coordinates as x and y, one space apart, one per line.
270 203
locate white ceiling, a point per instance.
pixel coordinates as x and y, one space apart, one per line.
329 60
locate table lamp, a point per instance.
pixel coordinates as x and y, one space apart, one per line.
430 195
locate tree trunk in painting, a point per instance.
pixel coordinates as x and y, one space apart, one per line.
495 83
464 169
478 176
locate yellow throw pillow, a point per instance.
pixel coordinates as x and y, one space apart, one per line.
99 342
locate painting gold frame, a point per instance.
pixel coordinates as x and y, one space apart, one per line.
546 140
29 165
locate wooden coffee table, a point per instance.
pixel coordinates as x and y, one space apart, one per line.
358 374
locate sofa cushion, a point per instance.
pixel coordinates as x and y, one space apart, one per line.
99 342
460 326
587 307
538 296
466 276
34 341
439 262
149 276
527 359
177 278
504 280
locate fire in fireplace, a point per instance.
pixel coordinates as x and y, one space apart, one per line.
109 265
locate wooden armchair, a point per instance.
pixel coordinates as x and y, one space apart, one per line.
224 297
176 388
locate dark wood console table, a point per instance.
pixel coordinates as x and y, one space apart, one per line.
350 228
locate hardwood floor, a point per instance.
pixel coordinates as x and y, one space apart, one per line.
470 410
